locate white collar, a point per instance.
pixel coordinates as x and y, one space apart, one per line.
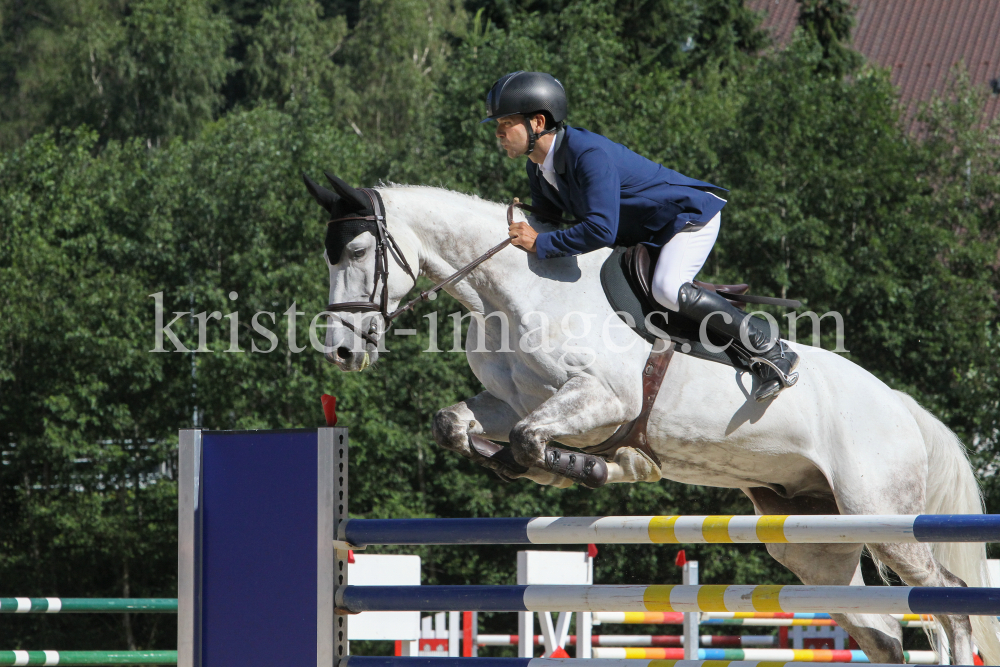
548 163
547 167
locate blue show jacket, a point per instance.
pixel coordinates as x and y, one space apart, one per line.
619 197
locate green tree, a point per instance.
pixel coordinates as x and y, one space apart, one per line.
86 508
960 174
155 73
290 53
392 60
148 68
662 33
830 23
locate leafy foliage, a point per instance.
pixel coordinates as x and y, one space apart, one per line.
830 22
156 148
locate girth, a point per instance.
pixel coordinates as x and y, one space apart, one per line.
633 434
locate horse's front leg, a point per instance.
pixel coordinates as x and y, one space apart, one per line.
468 429
583 405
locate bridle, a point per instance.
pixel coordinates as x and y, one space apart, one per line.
386 245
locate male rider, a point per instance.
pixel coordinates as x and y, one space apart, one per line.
621 198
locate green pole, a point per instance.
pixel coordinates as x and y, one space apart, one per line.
85 605
70 658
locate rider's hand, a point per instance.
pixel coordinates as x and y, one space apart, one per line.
523 235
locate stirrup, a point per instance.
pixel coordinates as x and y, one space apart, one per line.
787 380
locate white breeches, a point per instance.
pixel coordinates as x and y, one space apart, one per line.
680 261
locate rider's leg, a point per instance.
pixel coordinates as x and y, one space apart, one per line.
680 261
772 361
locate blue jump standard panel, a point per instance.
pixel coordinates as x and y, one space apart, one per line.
256 558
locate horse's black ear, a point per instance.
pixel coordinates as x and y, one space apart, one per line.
328 200
356 200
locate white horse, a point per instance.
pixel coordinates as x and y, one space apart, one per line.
838 442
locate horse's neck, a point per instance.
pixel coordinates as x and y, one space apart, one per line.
443 231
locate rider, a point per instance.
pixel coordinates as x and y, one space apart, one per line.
621 198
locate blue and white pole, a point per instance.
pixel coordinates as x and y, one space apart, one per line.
830 599
770 529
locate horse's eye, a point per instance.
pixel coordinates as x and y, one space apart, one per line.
358 254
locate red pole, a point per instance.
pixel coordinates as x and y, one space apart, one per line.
467 632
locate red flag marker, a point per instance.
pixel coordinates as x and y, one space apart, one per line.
681 559
330 409
559 653
592 550
350 555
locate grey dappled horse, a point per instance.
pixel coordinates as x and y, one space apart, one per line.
564 370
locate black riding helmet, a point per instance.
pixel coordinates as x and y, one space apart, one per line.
527 93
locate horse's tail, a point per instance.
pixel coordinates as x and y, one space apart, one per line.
952 489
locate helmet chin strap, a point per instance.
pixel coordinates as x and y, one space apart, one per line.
533 136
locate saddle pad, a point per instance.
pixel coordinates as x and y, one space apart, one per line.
682 330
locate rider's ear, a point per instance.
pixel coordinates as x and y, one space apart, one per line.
328 200
354 200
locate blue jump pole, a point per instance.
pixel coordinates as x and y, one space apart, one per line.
831 599
860 529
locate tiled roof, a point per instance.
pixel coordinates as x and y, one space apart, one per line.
919 40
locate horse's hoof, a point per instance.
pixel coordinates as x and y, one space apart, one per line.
587 469
498 454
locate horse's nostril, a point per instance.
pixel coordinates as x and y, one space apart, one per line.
343 353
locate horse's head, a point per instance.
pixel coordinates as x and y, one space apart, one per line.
367 280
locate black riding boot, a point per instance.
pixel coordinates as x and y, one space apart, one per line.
771 361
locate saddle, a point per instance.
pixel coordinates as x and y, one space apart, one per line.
626 277
639 267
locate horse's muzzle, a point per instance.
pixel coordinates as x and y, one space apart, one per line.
347 359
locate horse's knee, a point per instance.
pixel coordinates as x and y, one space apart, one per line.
527 443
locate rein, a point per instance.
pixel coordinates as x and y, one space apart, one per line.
385 245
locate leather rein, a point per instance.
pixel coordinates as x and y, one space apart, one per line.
386 245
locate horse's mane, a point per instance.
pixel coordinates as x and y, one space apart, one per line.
403 186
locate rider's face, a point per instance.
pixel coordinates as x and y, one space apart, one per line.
512 135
